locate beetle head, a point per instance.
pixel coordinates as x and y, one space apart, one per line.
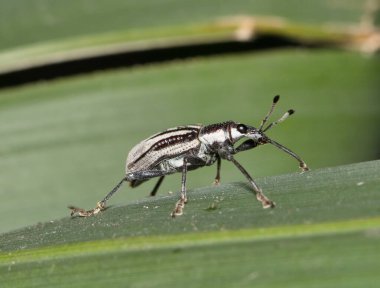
257 136
239 131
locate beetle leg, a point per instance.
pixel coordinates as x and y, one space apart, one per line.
134 183
145 175
141 176
158 184
178 210
101 205
246 145
218 165
256 189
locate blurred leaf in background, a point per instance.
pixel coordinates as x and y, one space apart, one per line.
24 22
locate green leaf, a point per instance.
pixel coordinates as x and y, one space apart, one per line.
323 232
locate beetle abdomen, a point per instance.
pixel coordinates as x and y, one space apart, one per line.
164 145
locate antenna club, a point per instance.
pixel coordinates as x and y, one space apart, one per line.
291 111
276 98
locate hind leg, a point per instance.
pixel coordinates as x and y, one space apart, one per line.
136 183
157 186
140 176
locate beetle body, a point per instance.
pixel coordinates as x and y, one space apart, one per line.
185 148
164 151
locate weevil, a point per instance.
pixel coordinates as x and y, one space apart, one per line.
186 148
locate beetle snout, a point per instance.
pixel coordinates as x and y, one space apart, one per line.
256 135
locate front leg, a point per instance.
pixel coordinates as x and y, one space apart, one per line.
246 145
227 152
256 189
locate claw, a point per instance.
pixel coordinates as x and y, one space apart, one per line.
178 210
269 204
265 201
304 167
75 211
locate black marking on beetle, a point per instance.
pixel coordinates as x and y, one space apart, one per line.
179 128
173 140
193 133
209 129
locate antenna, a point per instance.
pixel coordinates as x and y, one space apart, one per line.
303 165
283 118
275 100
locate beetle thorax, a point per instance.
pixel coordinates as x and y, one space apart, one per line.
219 134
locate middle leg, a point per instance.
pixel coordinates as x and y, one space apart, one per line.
218 165
178 210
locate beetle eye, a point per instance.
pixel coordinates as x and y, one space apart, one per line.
242 128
